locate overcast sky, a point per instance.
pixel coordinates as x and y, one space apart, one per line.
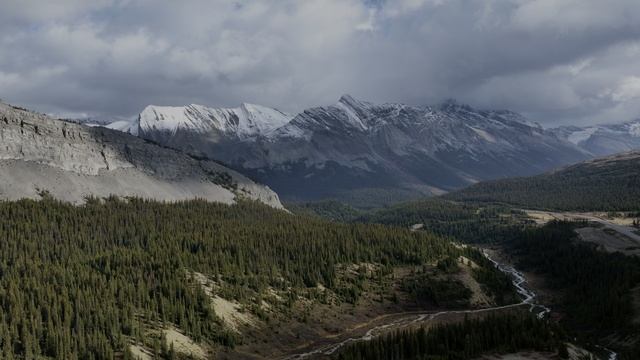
557 61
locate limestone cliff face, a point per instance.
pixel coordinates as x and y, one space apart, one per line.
72 161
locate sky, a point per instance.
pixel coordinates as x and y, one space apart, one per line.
556 61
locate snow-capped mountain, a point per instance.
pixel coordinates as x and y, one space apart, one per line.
602 140
355 147
244 122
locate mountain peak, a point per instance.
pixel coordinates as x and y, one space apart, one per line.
245 121
346 98
353 103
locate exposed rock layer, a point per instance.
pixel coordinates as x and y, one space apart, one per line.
72 161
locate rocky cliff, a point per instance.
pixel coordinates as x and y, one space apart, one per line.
71 161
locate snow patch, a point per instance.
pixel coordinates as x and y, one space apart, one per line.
582 135
352 117
127 126
483 134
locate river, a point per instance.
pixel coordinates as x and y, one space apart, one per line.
528 298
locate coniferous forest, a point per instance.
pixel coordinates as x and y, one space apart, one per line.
84 282
467 222
605 184
80 282
466 340
596 285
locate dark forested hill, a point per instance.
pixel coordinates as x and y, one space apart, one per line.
609 183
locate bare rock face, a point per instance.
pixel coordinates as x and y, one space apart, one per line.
72 161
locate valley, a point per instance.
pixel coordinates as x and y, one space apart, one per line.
320 180
145 269
398 322
320 328
198 276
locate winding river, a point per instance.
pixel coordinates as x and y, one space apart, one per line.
519 282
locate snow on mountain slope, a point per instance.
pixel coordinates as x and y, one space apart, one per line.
354 145
126 126
602 140
579 136
244 122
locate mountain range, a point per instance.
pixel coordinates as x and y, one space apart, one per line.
41 155
370 153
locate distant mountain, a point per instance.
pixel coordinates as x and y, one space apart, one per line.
601 140
70 161
359 150
607 183
245 122
127 126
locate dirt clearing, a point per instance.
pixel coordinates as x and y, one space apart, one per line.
609 241
231 313
140 353
183 344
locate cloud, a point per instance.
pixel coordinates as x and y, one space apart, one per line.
557 61
628 89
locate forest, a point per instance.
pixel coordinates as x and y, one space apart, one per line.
465 340
82 282
466 222
596 285
609 184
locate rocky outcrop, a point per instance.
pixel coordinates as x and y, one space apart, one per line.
71 161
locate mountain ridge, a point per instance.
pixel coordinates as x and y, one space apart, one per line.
70 161
245 121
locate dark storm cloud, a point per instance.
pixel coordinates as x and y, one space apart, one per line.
555 60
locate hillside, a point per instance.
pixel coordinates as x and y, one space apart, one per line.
608 184
106 279
71 161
